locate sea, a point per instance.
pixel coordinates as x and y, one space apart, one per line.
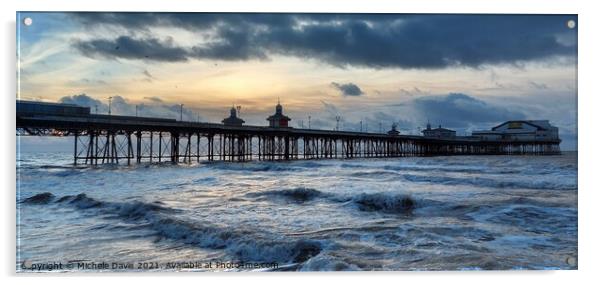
407 213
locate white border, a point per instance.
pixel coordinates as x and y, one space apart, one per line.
589 137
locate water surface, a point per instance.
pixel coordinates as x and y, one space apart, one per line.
431 213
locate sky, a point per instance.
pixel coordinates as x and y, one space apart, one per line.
464 72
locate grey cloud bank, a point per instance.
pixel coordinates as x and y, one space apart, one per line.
129 48
120 106
458 110
365 40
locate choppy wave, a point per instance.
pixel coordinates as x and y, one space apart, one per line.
529 216
299 194
384 202
256 166
246 245
375 174
364 214
42 198
465 169
81 201
380 202
487 182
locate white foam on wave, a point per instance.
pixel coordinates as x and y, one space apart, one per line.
327 262
246 245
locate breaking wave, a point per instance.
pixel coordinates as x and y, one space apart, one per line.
246 245
42 198
81 201
384 202
299 194
379 202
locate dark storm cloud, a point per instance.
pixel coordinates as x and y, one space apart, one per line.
189 21
377 41
348 89
458 110
131 48
234 45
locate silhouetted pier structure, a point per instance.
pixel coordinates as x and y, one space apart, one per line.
100 139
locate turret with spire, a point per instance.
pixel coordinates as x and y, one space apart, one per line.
278 108
233 120
278 120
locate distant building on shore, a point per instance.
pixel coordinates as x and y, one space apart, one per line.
520 131
233 120
278 120
439 132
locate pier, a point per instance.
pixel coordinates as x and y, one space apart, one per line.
111 139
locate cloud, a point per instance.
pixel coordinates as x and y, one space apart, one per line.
87 82
331 109
365 40
458 110
234 44
120 106
539 86
380 121
189 21
348 89
148 77
413 92
147 74
85 101
154 99
350 121
126 47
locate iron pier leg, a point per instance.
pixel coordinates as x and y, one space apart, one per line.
75 149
